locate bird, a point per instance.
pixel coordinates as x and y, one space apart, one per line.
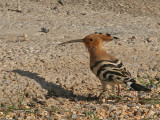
108 69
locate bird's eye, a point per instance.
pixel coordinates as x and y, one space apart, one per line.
91 40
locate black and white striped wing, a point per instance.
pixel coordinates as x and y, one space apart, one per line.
110 70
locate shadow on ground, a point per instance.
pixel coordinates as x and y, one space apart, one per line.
53 89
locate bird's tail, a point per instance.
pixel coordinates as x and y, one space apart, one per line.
137 87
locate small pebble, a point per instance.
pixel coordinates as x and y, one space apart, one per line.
137 113
103 111
22 114
133 37
29 118
148 40
118 112
157 105
26 107
74 116
45 30
61 2
25 35
103 100
113 108
1 113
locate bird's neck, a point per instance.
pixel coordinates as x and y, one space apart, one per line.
97 54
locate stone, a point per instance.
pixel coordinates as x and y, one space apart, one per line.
26 107
157 105
133 37
45 30
74 116
22 114
113 108
103 100
29 118
118 112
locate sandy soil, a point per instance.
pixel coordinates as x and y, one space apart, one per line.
59 76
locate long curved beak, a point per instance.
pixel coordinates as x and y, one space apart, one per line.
71 41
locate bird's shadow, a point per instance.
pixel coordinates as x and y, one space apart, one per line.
53 89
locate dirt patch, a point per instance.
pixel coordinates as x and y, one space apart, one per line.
55 82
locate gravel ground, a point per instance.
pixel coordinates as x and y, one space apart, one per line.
41 80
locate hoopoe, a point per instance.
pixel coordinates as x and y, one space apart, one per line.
106 67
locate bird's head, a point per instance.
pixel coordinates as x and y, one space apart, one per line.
93 40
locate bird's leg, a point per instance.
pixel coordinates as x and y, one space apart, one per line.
113 88
119 89
104 88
